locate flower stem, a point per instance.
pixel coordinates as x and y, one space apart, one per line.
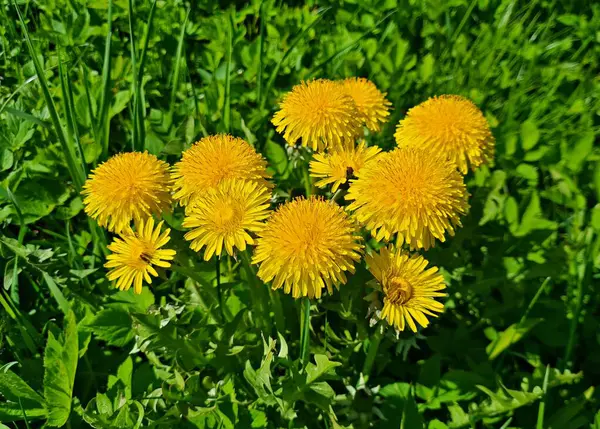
337 195
219 293
372 353
305 333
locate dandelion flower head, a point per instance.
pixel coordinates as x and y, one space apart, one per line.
307 245
371 103
450 124
319 113
224 216
136 253
212 160
415 193
128 187
340 164
409 288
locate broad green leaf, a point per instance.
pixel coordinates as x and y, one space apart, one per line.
511 335
530 134
112 325
581 150
56 293
276 156
436 424
323 366
399 407
16 394
60 365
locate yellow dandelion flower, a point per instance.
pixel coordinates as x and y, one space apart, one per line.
213 159
410 290
129 186
450 124
136 253
225 215
318 113
415 193
341 164
307 245
371 103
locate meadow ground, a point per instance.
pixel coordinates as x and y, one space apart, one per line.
518 344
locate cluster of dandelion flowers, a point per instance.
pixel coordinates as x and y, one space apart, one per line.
450 124
128 187
415 193
224 216
212 160
136 253
340 164
319 113
371 103
409 288
307 245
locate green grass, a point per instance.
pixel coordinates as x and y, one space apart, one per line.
517 345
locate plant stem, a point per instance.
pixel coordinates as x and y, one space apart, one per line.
542 406
372 353
337 195
305 333
219 293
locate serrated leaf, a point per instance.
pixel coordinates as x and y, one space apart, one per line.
322 367
60 365
113 325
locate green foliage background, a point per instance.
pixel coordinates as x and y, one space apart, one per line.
518 345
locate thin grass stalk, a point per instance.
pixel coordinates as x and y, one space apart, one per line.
261 52
305 332
176 70
320 14
351 44
196 104
227 105
141 111
83 70
76 174
67 91
103 116
542 407
134 78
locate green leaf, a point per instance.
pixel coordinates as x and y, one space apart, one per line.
276 156
400 408
506 400
322 367
580 151
436 424
113 325
19 394
60 364
56 293
530 134
510 336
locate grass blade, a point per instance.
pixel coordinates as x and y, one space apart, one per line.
320 14
76 173
227 105
261 52
134 79
103 125
63 304
176 70
351 45
141 111
542 406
